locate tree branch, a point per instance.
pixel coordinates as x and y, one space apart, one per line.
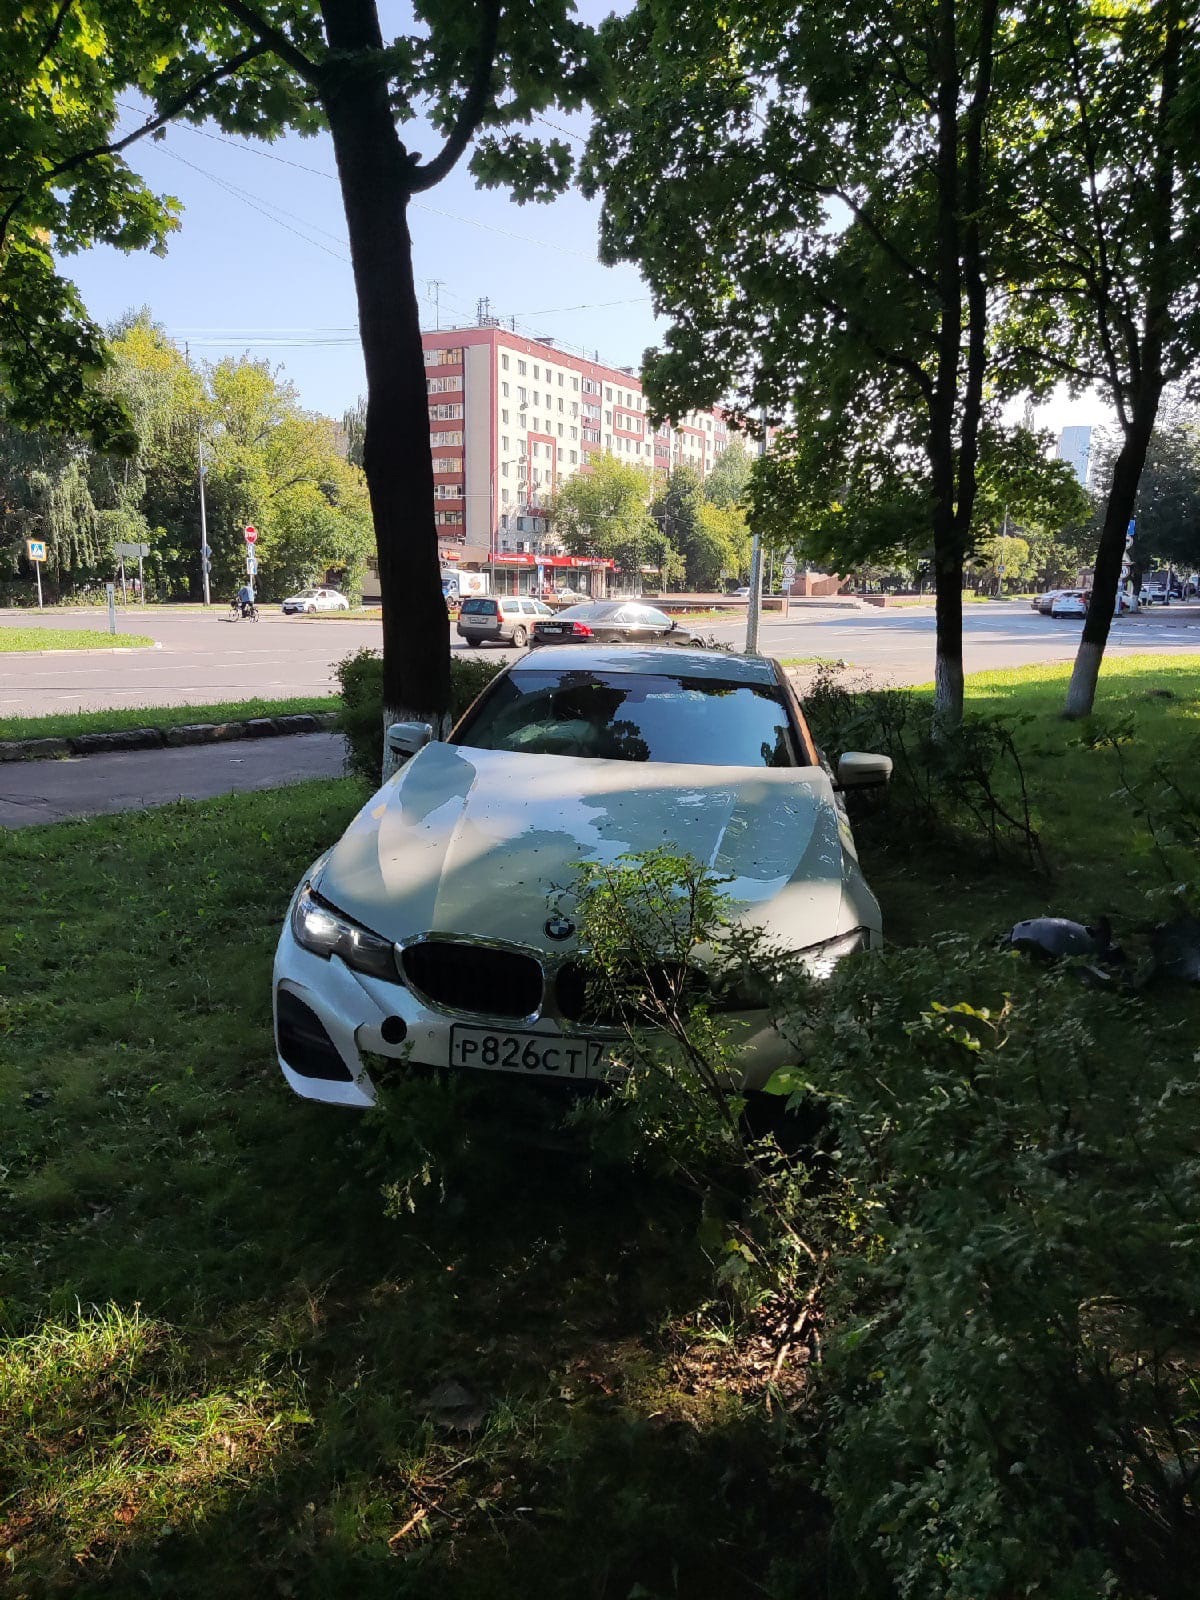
56 28
892 358
274 39
191 94
471 110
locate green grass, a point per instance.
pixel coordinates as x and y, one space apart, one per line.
229 1311
66 724
25 639
1103 858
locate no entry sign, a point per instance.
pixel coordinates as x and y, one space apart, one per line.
251 533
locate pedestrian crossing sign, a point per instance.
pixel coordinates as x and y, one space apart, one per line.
35 549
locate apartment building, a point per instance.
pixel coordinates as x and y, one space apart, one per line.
511 418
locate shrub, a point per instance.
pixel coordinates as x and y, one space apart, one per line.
966 783
360 719
1000 1259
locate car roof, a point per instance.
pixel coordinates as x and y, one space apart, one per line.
663 658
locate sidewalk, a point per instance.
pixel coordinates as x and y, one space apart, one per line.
49 791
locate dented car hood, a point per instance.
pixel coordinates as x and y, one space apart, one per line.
486 843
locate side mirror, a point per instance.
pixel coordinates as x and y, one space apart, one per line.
404 739
856 770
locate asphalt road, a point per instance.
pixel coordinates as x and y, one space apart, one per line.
49 791
206 657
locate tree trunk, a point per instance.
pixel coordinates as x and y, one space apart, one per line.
948 661
375 171
1081 692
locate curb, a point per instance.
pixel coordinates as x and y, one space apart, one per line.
96 650
186 733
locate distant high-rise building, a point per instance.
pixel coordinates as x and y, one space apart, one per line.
1075 448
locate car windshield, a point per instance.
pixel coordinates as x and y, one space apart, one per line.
627 716
479 608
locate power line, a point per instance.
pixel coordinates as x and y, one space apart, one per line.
420 205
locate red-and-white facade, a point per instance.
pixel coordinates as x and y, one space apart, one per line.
512 418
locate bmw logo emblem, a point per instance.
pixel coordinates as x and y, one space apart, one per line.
559 927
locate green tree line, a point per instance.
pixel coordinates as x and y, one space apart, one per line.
266 461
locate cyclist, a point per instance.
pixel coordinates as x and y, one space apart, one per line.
245 600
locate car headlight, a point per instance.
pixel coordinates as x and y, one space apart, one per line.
320 928
820 959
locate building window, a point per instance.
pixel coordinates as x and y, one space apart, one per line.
561 404
536 373
560 430
504 469
522 396
446 464
505 497
608 419
439 441
444 358
446 413
504 390
521 368
504 362
447 491
441 385
504 444
448 519
574 433
504 416
607 393
575 384
574 458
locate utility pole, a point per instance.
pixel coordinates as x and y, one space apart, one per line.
754 603
436 285
205 553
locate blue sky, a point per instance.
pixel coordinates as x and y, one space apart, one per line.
261 261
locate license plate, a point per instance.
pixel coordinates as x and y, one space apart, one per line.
536 1055
552 627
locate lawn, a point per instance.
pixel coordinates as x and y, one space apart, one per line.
66 724
259 1347
26 639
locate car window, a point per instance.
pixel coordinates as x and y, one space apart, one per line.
643 616
476 607
622 716
588 611
528 608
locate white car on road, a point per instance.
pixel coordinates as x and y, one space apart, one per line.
1069 603
440 928
311 600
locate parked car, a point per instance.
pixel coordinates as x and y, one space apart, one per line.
569 595
315 600
505 618
1069 603
1043 602
440 929
612 622
1157 593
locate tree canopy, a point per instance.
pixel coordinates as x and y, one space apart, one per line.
267 461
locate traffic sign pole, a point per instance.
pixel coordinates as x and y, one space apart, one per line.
37 567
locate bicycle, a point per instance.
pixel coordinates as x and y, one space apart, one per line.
237 611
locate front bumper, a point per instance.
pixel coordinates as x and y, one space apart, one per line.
327 1015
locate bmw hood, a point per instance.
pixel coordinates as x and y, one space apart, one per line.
486 843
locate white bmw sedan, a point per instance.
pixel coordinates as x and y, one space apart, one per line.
435 930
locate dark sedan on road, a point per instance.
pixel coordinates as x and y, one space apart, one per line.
611 622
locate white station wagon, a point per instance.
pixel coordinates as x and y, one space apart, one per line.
435 929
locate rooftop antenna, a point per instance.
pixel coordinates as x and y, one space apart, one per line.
483 310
